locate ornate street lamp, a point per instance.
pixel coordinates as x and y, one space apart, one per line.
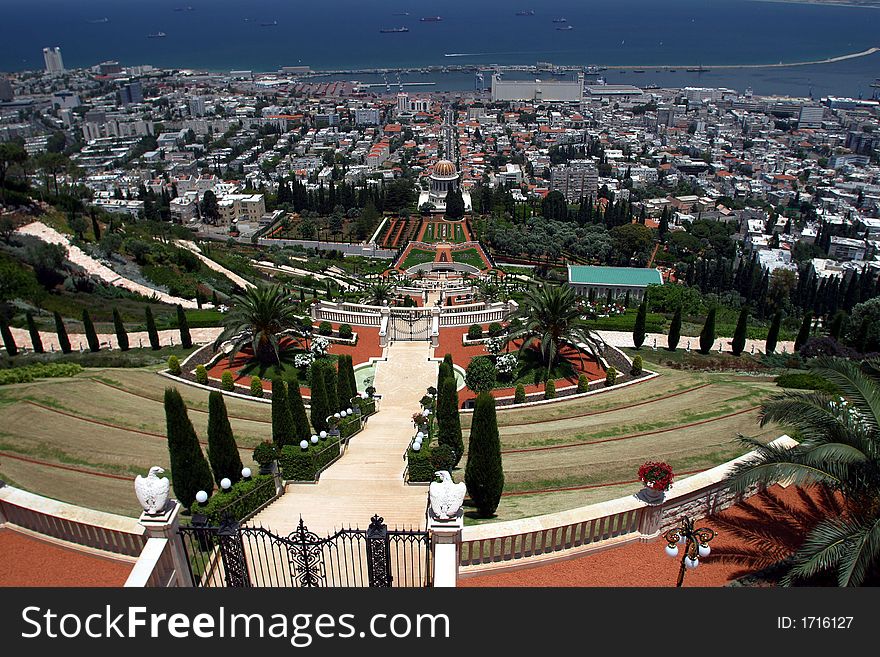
695 542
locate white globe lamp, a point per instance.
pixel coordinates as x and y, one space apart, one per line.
704 550
323 435
246 473
304 444
672 550
314 440
201 497
225 483
690 564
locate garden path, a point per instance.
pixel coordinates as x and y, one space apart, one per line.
368 479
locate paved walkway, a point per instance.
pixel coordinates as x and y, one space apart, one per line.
368 478
625 339
136 339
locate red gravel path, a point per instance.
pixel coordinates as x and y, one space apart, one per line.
634 564
29 561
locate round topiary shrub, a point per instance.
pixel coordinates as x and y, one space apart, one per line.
550 389
174 365
325 328
227 382
519 395
610 376
636 366
583 383
345 331
495 329
475 332
480 375
256 387
201 375
265 453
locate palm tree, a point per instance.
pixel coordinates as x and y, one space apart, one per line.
259 317
550 316
379 294
839 448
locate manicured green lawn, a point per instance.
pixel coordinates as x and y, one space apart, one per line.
417 257
469 257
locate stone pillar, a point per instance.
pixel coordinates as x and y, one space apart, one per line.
446 548
435 326
384 325
166 525
649 521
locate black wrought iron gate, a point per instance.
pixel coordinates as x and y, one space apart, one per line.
234 556
410 325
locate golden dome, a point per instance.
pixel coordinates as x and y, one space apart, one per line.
445 168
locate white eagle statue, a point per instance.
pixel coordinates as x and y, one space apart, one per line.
151 491
446 497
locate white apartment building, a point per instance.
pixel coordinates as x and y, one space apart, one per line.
52 57
579 179
244 207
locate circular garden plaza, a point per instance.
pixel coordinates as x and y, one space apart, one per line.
487 441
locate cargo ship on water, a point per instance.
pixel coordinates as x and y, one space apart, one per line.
431 19
393 30
156 35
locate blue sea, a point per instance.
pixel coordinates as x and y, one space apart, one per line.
263 35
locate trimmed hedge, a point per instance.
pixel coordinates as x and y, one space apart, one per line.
348 427
227 382
201 375
234 501
256 387
475 332
419 464
610 376
805 381
519 395
583 383
174 365
550 389
325 328
345 331
28 373
304 465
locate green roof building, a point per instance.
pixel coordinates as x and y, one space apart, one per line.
596 281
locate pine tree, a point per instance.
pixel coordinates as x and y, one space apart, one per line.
222 451
320 409
283 428
91 335
804 332
674 331
36 340
773 333
151 330
190 472
331 383
8 339
707 335
301 428
663 225
448 420
61 330
121 335
183 326
639 328
484 474
739 334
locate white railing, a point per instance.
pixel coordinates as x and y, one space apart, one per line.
74 524
540 539
479 317
331 312
155 566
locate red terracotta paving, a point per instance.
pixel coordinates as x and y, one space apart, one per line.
450 343
29 561
634 564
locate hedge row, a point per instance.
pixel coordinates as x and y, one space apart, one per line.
38 371
420 467
236 501
298 464
349 426
806 381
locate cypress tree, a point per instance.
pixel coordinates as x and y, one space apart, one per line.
804 333
151 330
320 409
331 385
61 330
91 335
674 331
639 328
121 335
36 340
773 333
739 334
448 420
707 335
301 428
8 340
283 429
838 325
484 474
190 472
222 451
343 394
183 326
352 379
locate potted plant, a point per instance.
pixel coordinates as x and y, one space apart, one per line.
265 455
657 479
